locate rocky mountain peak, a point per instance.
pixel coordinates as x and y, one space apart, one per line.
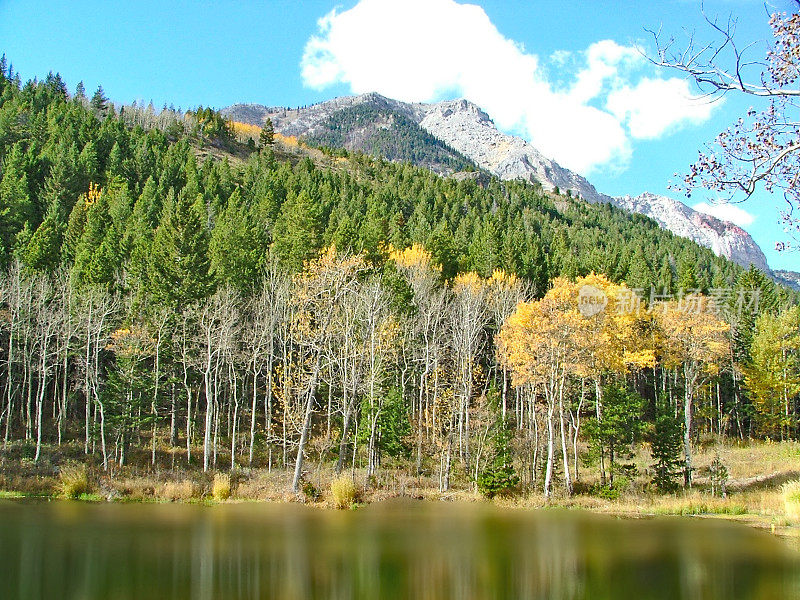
454 108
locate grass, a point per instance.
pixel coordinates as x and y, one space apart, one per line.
343 491
791 499
73 481
174 491
10 494
221 490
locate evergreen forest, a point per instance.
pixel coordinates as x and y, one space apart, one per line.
179 292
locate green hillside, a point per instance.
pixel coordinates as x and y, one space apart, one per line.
382 132
166 292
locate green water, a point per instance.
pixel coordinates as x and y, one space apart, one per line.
55 550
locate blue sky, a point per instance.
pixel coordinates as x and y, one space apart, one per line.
562 74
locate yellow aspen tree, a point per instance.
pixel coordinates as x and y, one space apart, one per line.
318 293
611 342
695 340
537 343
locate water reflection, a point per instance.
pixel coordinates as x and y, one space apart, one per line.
392 550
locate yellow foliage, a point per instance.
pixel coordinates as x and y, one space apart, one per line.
287 140
692 333
469 282
583 328
344 491
503 280
243 131
539 341
415 256
130 342
221 490
94 193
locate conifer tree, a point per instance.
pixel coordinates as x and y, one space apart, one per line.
296 236
99 103
665 448
180 268
15 205
267 136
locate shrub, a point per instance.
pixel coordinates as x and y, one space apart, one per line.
344 491
497 479
221 490
73 481
791 499
605 492
310 491
719 478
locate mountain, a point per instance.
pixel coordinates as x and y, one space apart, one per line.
370 123
788 278
447 135
723 237
468 129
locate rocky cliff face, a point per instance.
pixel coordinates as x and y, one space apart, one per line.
465 127
724 238
468 130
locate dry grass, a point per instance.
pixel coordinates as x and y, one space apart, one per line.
140 488
344 492
791 499
73 481
175 491
221 490
263 486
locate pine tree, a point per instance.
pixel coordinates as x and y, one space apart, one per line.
180 268
665 448
15 206
80 93
267 136
238 247
297 232
42 252
620 428
99 103
499 475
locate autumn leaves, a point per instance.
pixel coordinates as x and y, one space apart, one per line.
546 343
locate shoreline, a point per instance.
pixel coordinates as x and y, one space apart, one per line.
775 525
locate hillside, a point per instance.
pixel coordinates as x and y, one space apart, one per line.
173 299
362 122
371 124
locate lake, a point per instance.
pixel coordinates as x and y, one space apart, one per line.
77 550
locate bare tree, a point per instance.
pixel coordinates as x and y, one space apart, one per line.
265 311
762 148
217 319
318 292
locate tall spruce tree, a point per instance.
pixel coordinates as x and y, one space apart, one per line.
180 267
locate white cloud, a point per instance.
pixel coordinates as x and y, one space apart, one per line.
726 212
428 50
654 106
